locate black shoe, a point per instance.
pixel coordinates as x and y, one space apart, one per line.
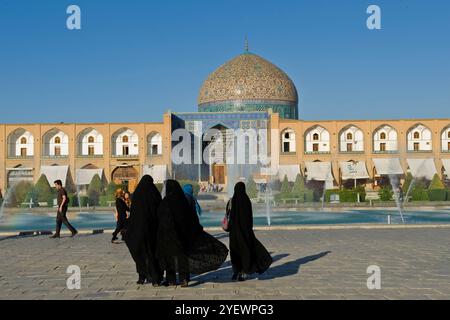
114 239
242 277
74 234
141 280
234 277
169 284
55 236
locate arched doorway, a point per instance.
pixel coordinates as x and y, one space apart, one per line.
126 175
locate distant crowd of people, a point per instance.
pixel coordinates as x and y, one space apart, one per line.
210 187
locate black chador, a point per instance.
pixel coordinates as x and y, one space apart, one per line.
141 235
183 246
248 255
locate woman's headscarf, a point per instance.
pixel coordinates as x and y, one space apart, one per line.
189 192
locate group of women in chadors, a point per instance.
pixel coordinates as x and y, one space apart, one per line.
165 237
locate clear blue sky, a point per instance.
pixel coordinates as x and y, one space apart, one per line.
133 60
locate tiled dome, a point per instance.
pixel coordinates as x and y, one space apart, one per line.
248 77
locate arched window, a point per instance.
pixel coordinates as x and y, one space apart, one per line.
125 139
91 139
416 135
57 140
154 144
349 136
288 141
383 136
23 140
316 137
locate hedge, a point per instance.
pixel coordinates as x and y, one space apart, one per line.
438 195
347 195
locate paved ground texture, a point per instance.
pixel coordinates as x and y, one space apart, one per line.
309 264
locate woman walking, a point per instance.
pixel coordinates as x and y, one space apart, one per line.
188 190
122 210
248 255
142 231
183 246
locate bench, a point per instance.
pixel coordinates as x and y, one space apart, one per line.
296 200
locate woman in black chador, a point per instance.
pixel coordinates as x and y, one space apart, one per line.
141 232
183 246
248 255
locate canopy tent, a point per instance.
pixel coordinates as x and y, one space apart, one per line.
53 173
354 170
158 172
422 168
446 163
320 171
388 166
291 171
84 176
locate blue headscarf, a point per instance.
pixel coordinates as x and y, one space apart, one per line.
189 192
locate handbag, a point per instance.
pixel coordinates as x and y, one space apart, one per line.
226 218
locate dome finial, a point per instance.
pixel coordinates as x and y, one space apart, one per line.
246 44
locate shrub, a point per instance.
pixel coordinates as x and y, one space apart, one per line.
347 195
285 187
43 192
437 195
251 188
20 191
436 183
95 190
386 193
419 192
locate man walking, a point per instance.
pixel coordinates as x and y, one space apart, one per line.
63 204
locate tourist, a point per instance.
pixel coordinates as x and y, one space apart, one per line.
193 203
61 215
248 255
183 246
122 209
141 231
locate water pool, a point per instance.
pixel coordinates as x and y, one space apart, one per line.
104 220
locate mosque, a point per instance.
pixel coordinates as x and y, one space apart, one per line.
247 92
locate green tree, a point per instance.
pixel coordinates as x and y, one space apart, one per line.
299 189
386 193
43 192
285 188
20 191
407 183
436 183
251 188
95 190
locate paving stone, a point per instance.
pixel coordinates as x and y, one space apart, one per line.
308 264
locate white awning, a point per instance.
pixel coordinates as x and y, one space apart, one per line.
54 173
446 163
388 166
354 170
319 171
291 171
84 176
158 173
422 168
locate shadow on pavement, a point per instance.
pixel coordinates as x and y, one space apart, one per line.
223 275
290 268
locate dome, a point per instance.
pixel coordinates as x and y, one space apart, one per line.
249 83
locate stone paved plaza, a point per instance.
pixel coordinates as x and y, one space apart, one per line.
309 264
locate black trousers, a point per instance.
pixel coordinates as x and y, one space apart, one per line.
171 276
120 226
61 218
